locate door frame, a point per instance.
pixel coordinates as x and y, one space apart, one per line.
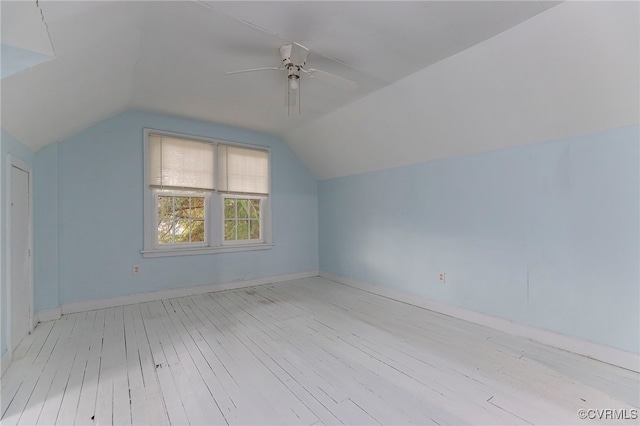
12 162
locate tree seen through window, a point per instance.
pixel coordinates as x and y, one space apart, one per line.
180 219
241 219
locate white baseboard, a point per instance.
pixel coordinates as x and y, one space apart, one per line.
597 351
5 361
89 305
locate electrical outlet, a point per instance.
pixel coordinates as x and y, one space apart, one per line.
441 277
136 269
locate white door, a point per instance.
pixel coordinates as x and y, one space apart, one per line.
20 256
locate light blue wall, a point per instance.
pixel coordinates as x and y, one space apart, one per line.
544 234
45 222
99 207
8 146
16 59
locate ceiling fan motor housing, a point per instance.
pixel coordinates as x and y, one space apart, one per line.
286 53
294 69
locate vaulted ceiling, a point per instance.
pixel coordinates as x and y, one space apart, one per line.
171 57
69 65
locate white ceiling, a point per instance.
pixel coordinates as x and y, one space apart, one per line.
171 57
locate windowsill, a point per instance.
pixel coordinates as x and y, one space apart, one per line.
205 250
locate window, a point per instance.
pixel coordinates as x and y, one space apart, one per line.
204 196
242 220
180 218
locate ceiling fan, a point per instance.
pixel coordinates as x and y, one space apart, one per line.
294 56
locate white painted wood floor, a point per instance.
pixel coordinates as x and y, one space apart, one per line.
301 352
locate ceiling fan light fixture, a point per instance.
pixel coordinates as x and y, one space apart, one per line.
293 82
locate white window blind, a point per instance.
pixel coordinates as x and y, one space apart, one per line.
178 163
243 170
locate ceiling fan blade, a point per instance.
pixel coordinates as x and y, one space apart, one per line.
299 54
332 79
253 69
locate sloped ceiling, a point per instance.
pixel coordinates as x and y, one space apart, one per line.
436 79
171 57
572 70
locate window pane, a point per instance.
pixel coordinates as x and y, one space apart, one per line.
197 207
255 230
246 214
181 219
165 231
229 208
243 229
182 207
165 207
182 231
229 230
197 231
254 208
243 208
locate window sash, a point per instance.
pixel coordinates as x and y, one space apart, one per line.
158 245
249 219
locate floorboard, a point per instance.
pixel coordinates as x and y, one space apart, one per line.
305 352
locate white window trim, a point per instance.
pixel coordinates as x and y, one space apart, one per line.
205 250
214 212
